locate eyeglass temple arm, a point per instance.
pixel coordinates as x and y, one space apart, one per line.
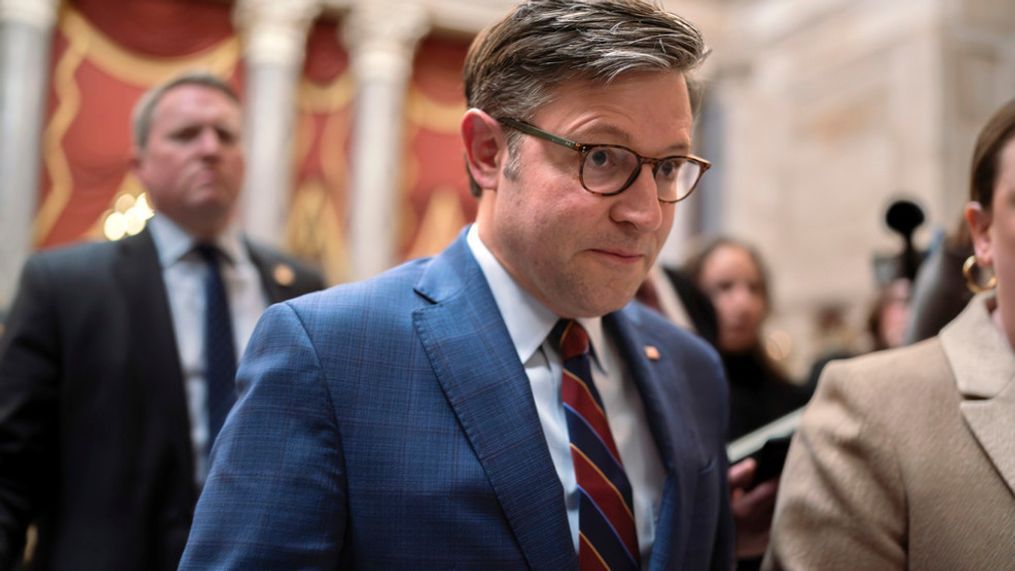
536 132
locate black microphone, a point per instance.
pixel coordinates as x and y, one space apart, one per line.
904 217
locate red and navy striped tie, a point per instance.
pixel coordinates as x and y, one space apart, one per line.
607 538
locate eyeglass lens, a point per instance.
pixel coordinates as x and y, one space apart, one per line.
608 170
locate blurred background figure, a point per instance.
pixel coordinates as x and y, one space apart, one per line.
904 459
940 292
733 276
889 316
895 273
117 364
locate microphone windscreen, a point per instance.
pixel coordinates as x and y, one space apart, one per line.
904 216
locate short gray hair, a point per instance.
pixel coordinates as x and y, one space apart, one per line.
141 120
513 67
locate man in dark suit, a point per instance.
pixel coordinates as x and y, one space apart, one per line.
106 393
501 405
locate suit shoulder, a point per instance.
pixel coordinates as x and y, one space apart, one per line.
71 263
304 273
901 370
383 297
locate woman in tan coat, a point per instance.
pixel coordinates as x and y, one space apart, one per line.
906 458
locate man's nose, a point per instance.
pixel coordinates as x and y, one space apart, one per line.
639 205
209 142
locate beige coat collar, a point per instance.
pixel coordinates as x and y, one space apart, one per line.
983 364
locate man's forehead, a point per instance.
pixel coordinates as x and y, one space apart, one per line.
609 112
183 94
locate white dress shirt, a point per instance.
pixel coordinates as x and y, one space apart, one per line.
183 271
529 322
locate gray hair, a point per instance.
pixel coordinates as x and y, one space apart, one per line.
141 120
514 66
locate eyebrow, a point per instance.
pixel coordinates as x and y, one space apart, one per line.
594 135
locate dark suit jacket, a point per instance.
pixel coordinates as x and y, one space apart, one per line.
94 431
390 424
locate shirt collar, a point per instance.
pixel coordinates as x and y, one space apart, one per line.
528 321
173 242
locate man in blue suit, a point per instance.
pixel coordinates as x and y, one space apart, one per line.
422 419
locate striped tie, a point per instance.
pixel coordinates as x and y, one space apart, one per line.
607 538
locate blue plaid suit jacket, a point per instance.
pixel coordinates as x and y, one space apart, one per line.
389 424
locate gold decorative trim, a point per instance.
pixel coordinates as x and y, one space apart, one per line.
440 223
55 160
143 70
335 96
433 115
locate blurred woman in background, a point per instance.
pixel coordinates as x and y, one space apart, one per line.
733 276
905 459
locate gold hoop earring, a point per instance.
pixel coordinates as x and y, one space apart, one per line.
971 282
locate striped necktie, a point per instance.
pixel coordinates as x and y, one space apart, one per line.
607 537
219 345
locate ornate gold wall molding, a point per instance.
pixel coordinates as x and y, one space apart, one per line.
431 114
330 98
138 69
54 158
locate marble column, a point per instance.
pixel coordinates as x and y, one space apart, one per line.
275 34
26 30
381 50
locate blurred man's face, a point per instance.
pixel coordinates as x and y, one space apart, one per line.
579 253
192 166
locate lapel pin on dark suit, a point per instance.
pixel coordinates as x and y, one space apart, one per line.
652 352
284 275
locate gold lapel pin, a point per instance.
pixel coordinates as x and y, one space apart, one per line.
651 352
284 275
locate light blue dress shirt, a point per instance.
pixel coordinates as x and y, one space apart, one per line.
529 322
183 272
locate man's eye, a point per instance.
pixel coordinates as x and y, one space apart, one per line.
600 158
226 136
668 169
185 134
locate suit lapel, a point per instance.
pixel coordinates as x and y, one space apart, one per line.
474 361
154 357
984 368
660 386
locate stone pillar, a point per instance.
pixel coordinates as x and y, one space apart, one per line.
26 30
381 49
275 34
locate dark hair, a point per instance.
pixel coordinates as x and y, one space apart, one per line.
992 138
514 66
141 122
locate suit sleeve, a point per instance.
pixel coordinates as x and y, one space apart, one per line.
29 384
275 494
841 501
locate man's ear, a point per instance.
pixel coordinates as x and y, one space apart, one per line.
485 147
979 220
135 160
